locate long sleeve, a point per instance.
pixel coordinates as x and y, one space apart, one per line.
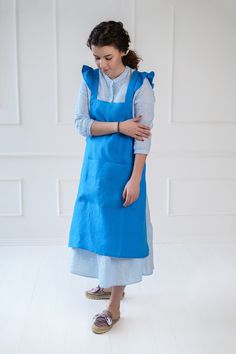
144 100
82 119
143 104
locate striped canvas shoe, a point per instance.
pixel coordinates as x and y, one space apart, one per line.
103 322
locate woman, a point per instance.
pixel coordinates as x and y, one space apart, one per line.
111 231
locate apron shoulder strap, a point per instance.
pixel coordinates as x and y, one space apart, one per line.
142 76
150 77
136 82
89 76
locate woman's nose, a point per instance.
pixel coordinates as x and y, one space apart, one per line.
103 64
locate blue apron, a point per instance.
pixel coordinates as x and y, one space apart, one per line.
100 223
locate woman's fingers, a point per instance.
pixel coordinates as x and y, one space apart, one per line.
137 118
128 200
144 126
125 203
124 193
143 133
137 137
127 196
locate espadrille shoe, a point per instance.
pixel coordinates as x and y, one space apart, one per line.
103 322
98 293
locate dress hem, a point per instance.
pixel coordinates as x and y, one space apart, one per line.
107 285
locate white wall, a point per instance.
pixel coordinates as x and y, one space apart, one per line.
191 170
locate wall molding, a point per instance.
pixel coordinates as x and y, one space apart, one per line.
171 120
33 241
17 90
59 180
20 196
197 179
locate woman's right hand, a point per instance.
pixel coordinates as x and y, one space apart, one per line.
133 128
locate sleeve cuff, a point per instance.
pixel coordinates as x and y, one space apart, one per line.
89 126
145 152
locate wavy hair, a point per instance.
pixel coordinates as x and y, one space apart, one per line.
113 33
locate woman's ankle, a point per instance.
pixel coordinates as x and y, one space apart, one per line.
107 289
114 309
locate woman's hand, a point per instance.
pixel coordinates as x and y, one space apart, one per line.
131 191
133 128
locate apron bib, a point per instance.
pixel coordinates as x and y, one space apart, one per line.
100 223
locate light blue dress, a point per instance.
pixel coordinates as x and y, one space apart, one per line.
108 270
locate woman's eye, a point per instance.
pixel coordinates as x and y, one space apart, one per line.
106 58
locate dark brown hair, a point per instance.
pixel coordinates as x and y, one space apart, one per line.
113 33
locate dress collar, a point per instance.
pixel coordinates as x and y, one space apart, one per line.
118 78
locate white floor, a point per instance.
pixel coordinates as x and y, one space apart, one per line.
188 306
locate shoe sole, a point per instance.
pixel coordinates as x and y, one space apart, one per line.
100 297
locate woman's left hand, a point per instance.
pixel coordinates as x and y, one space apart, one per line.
131 191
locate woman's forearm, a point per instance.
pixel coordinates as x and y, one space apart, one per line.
139 161
103 128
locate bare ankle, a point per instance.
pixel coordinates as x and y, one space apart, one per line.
114 309
107 289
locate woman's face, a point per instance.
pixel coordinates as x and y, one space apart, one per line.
109 60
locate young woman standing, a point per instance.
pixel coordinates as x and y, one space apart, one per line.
111 231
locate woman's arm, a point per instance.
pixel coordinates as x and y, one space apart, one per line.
103 128
139 162
143 104
132 187
87 126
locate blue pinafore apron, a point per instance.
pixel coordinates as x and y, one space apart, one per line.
100 223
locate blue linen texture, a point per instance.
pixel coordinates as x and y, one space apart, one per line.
111 271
